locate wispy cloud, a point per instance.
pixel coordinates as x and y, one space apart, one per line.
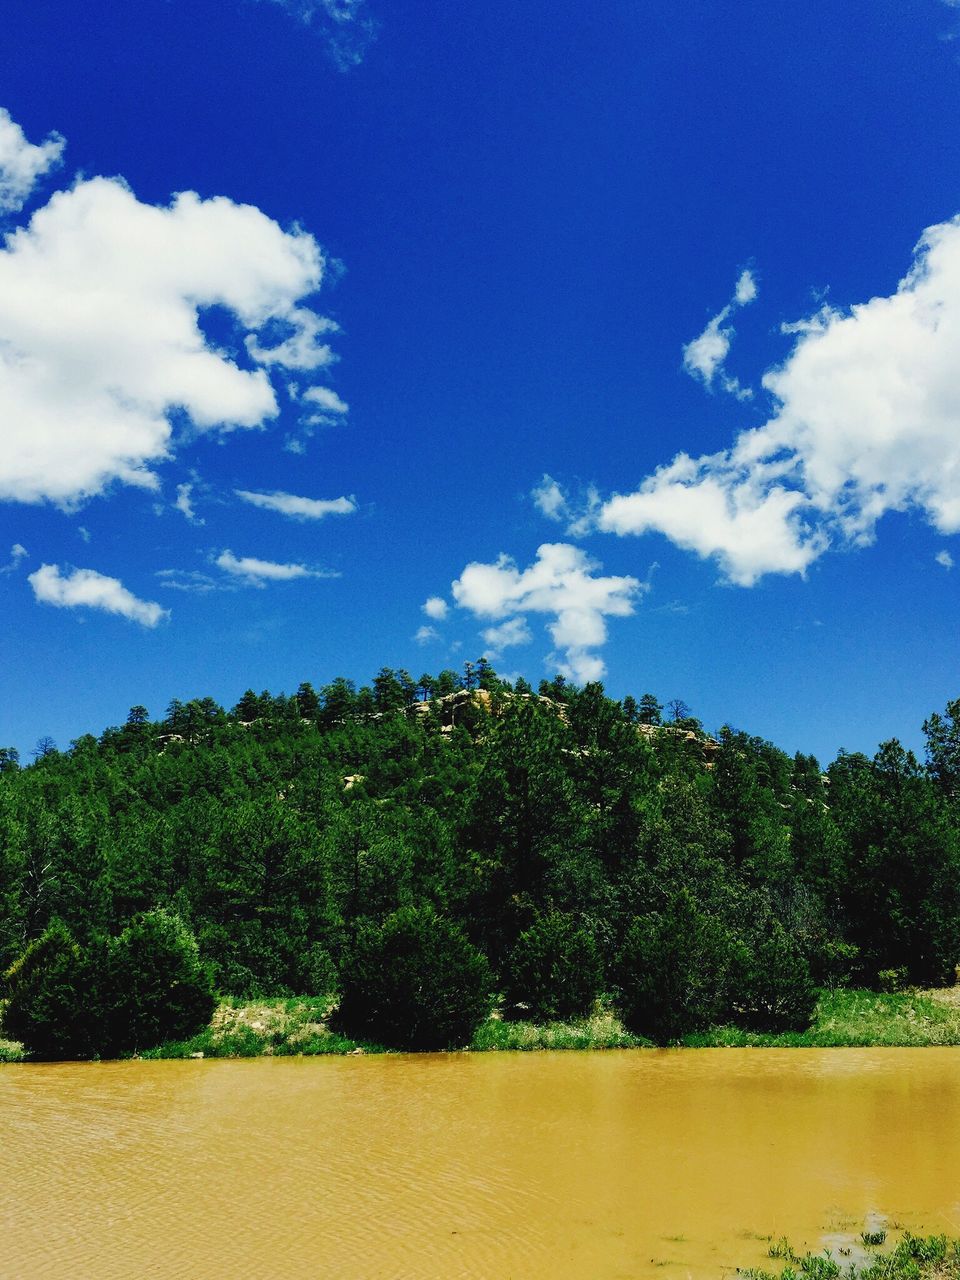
18 553
184 503
87 589
944 558
578 513
704 357
426 634
344 26
23 164
256 573
289 504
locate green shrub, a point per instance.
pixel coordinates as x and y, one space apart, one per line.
554 970
890 980
157 988
52 997
674 971
773 990
111 996
414 982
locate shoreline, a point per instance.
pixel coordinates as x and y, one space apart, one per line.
298 1026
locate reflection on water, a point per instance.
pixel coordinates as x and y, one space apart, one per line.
531 1165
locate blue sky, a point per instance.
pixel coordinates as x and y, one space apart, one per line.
619 339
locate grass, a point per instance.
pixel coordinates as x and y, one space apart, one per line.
601 1031
843 1019
855 1019
913 1258
266 1028
11 1051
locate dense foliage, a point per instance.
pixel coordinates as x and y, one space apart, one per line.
578 843
414 982
111 996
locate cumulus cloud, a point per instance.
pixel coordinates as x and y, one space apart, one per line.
704 357
867 411
256 573
23 164
289 504
344 26
18 552
101 344
564 583
87 589
944 558
436 607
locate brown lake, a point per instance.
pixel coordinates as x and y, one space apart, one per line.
620 1164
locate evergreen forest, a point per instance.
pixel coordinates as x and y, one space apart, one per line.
430 850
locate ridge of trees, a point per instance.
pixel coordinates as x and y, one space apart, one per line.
558 841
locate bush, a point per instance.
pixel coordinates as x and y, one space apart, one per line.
414 982
51 991
110 997
157 987
674 971
554 970
774 989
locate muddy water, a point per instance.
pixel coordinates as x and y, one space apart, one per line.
537 1165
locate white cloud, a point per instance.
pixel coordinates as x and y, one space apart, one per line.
184 503
550 499
344 26
327 400
553 501
507 634
87 589
562 582
22 164
289 504
188 580
255 573
746 288
100 337
425 634
436 607
704 357
944 558
18 552
301 350
866 422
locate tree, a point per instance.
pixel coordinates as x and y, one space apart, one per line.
554 971
650 711
675 971
308 701
9 759
414 982
52 992
156 988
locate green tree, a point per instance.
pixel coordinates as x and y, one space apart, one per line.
554 970
675 971
414 982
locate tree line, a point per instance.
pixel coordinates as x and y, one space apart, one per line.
478 840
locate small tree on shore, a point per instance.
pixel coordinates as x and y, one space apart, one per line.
554 970
414 982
